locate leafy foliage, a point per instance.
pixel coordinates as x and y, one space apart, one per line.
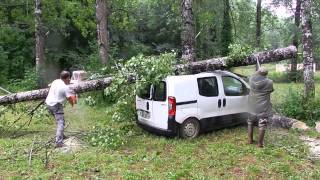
108 137
146 70
296 106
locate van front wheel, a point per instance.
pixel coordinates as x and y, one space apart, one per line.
190 128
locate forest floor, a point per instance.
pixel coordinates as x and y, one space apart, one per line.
219 154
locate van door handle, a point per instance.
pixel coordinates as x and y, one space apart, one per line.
219 103
147 105
224 102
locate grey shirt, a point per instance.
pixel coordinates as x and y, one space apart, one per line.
259 97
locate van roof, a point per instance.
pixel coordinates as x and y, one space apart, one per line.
204 74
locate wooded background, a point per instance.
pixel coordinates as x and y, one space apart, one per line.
39 38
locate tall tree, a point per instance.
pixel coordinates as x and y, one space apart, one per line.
39 33
188 31
226 33
258 24
101 15
309 88
295 39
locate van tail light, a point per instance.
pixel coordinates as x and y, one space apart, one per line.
172 106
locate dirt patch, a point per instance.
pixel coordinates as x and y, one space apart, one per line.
314 146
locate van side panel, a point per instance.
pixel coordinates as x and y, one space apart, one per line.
185 90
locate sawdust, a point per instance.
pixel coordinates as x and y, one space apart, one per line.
314 146
71 145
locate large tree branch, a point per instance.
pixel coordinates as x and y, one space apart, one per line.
200 66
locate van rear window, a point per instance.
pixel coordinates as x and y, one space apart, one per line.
159 93
144 92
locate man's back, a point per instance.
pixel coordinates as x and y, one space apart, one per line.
57 93
261 88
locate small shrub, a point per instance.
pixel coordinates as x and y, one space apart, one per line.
296 106
89 101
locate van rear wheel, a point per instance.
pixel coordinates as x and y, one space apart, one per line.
190 128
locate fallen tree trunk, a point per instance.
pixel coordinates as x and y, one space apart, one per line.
200 66
225 62
42 93
287 123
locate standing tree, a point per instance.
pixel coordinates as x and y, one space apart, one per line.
39 33
226 33
187 32
258 24
101 15
309 89
295 39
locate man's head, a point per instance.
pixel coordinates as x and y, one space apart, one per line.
65 77
262 71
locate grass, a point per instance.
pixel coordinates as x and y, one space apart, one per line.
221 154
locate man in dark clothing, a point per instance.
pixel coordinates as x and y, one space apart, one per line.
260 105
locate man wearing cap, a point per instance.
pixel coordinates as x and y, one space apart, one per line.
59 91
260 105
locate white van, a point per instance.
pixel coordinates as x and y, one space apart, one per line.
189 104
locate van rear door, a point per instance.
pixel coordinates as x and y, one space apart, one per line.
144 105
160 105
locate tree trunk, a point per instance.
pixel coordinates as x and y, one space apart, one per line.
309 89
187 32
205 65
258 27
39 33
295 39
225 62
42 93
258 24
102 33
226 34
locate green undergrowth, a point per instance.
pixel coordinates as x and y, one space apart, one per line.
221 154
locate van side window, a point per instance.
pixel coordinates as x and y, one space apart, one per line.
159 93
144 92
232 86
208 86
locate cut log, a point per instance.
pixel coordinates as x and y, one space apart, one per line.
42 93
225 62
200 66
287 123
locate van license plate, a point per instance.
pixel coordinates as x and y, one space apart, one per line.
144 114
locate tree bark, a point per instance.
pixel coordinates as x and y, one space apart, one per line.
194 67
42 93
309 88
187 32
39 33
225 62
102 33
226 34
258 24
295 39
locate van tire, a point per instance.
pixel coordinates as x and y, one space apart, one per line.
190 128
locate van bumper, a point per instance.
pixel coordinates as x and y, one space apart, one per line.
172 130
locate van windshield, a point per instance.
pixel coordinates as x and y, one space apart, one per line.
144 92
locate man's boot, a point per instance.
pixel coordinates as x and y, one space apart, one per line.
250 134
261 137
